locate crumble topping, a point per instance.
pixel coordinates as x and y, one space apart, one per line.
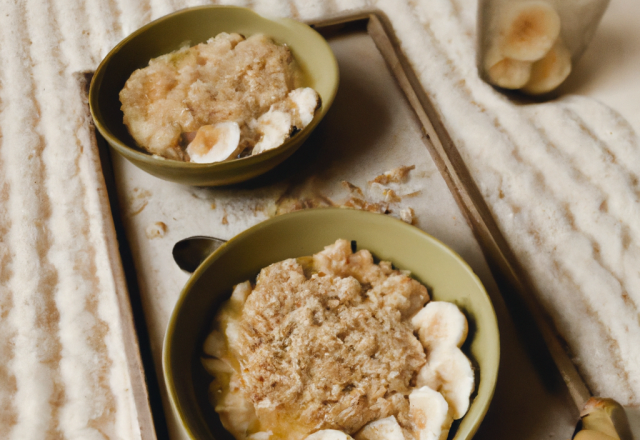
181 99
328 344
327 352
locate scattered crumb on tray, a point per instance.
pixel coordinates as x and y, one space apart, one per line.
156 230
396 175
377 196
138 200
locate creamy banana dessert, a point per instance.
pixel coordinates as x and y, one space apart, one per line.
226 98
333 346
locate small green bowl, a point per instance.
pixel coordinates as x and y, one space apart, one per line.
195 25
302 233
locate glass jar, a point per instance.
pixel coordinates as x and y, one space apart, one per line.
532 45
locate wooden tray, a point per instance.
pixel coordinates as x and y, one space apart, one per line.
403 121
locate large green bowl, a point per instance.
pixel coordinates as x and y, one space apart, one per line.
301 233
195 25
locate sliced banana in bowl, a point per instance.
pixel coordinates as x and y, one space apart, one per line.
443 385
449 372
442 329
215 143
430 413
440 323
283 120
329 434
383 429
531 45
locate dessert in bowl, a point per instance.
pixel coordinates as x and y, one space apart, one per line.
164 46
302 234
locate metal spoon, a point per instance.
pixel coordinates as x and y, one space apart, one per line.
188 253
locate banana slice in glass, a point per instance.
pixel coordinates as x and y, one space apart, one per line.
531 45
506 72
550 71
527 30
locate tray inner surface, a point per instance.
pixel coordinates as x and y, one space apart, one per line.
371 128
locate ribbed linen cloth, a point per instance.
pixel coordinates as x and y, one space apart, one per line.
562 180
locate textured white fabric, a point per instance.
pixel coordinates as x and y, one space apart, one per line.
561 178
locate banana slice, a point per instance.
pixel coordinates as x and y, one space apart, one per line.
329 434
215 143
528 30
232 332
510 74
449 372
216 366
306 101
550 71
440 323
383 429
430 414
239 296
275 127
236 411
506 72
214 345
262 435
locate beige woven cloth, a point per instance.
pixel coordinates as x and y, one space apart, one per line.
562 180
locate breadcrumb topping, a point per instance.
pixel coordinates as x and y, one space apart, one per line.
332 348
227 78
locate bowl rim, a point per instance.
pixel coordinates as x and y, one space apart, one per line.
148 158
488 378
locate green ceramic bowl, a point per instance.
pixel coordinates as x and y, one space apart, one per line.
195 25
301 233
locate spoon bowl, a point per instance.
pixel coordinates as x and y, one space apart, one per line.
190 252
